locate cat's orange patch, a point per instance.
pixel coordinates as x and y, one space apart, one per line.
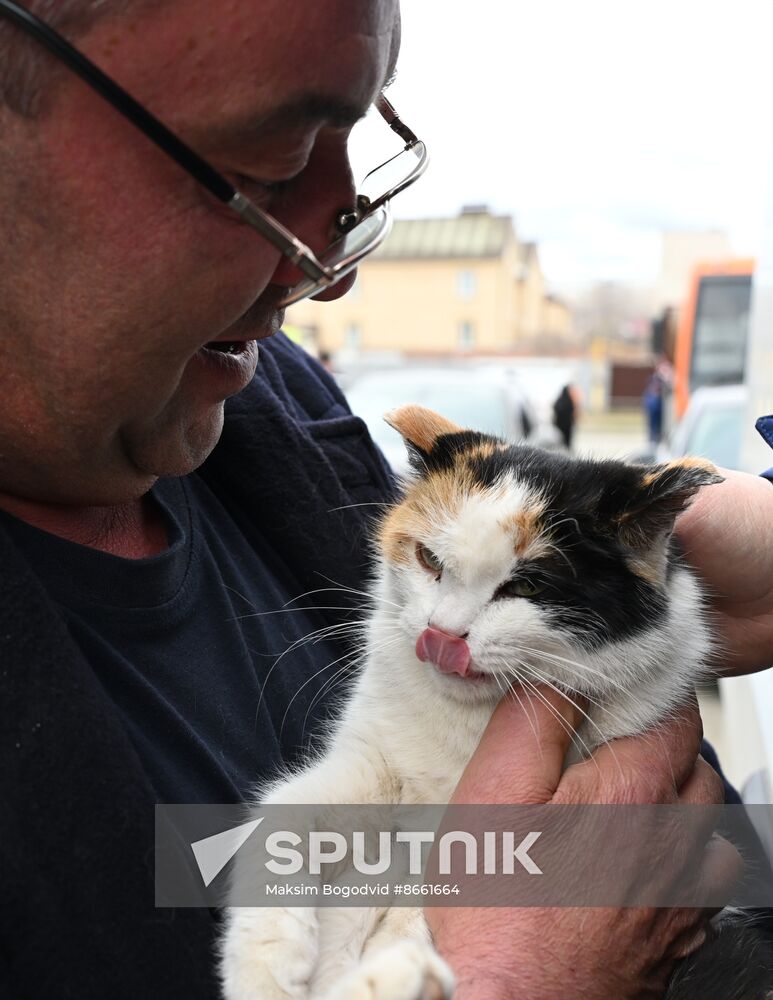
420 426
689 462
649 566
429 502
483 450
528 531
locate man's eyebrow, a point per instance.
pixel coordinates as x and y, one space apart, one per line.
307 110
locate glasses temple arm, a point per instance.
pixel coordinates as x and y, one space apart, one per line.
391 117
297 253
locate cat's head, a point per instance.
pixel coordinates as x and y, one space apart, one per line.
508 561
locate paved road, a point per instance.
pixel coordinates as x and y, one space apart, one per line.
610 435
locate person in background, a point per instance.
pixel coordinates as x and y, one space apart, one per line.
652 401
565 415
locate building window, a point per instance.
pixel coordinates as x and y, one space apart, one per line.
353 336
466 336
466 284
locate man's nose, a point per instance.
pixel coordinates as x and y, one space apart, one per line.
327 190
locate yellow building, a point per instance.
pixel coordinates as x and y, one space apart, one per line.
438 286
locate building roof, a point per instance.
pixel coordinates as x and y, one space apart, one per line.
473 233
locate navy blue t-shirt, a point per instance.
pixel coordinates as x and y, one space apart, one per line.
189 645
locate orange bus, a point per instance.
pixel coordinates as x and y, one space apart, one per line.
713 329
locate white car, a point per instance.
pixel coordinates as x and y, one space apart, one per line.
482 401
712 426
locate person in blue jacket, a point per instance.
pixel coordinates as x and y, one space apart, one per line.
171 468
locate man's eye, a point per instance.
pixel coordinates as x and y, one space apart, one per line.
429 560
262 191
520 588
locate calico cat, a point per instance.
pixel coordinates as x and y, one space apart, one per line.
501 563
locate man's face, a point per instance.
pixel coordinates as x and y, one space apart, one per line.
119 268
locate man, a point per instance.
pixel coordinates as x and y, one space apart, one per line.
139 555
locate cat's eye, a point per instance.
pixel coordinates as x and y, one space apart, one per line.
520 588
428 559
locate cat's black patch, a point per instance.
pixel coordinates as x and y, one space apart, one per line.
591 592
446 451
591 511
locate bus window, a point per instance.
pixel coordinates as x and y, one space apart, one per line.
713 330
721 330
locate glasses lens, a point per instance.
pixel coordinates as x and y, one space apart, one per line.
379 186
346 252
395 175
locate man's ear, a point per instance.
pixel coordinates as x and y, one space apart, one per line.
663 492
420 428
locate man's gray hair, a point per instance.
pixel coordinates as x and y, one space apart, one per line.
25 65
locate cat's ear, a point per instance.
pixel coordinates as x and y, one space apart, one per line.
662 493
420 428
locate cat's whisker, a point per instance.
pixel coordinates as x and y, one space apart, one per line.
352 659
371 503
321 590
517 697
593 702
514 672
370 599
328 631
531 704
586 752
354 590
586 668
506 655
560 552
308 681
291 611
574 737
355 660
326 689
566 520
233 590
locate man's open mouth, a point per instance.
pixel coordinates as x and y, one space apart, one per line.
226 346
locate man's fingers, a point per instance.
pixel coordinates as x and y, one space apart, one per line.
703 787
721 870
521 754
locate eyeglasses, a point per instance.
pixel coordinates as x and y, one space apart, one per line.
361 229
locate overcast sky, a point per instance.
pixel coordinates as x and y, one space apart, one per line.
596 123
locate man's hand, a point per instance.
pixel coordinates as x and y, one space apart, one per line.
598 954
727 535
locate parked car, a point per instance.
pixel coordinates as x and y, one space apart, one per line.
481 400
712 426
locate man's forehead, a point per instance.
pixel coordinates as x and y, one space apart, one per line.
255 66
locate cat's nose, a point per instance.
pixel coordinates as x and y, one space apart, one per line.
454 633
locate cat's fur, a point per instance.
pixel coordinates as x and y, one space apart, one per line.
619 619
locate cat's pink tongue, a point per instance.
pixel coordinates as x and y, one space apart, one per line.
450 654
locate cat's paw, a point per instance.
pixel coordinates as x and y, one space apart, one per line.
405 970
268 955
